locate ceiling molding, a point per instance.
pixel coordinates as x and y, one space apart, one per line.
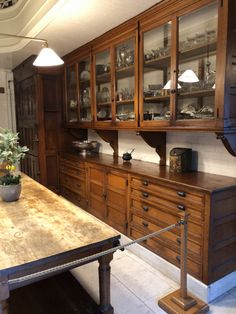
33 17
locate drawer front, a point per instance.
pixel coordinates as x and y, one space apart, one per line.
170 255
171 238
180 195
75 185
172 206
75 172
74 198
116 200
71 163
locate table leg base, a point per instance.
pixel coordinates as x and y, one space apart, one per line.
170 306
4 307
109 310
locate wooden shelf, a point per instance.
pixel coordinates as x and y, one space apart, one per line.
197 93
124 102
104 104
103 78
158 63
125 72
198 51
156 98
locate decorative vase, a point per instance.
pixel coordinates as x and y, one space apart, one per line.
10 193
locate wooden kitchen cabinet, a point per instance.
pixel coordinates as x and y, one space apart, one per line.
73 181
138 198
107 195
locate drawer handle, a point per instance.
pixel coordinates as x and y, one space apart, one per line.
145 224
178 258
181 193
78 172
145 194
145 183
78 185
178 240
145 208
181 207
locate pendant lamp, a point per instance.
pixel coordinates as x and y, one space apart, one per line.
167 85
188 77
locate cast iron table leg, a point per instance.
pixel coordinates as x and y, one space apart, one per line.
104 284
4 307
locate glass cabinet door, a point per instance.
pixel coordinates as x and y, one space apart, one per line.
197 64
103 86
125 81
71 94
85 113
156 74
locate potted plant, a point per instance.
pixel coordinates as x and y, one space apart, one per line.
10 155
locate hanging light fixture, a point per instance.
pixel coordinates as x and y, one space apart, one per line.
47 57
167 85
188 77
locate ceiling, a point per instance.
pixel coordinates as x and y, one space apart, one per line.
66 24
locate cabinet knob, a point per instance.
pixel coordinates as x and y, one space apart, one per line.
145 194
178 258
181 207
104 194
145 224
78 185
145 208
181 193
178 240
145 183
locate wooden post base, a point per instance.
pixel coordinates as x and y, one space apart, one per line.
174 304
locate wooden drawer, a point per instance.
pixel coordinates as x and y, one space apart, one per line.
74 198
172 206
163 217
71 163
170 255
180 195
171 238
77 186
75 172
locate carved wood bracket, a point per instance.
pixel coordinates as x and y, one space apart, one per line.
229 141
111 137
156 140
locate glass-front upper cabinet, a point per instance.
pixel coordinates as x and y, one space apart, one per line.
84 88
155 75
197 64
125 84
103 90
71 94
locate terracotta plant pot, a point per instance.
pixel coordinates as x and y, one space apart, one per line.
10 193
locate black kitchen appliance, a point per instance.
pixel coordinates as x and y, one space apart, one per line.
180 160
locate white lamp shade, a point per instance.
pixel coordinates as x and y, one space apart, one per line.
188 77
214 86
167 86
47 57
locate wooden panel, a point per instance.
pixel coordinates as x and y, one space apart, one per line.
116 200
52 172
117 180
116 219
75 198
96 175
73 184
72 163
97 207
78 173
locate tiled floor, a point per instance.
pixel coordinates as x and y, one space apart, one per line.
136 286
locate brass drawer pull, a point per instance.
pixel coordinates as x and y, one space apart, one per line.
181 207
145 194
178 240
145 224
78 185
181 193
178 258
145 208
145 182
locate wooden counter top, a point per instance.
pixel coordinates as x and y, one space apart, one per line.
42 224
201 180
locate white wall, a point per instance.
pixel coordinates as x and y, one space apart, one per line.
211 154
7 100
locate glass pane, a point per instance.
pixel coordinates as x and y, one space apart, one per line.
125 82
197 63
71 88
156 73
103 86
84 90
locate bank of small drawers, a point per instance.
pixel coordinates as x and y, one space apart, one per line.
155 205
73 181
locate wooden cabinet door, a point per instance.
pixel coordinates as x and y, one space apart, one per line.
97 191
117 197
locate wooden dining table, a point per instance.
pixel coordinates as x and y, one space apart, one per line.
43 234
